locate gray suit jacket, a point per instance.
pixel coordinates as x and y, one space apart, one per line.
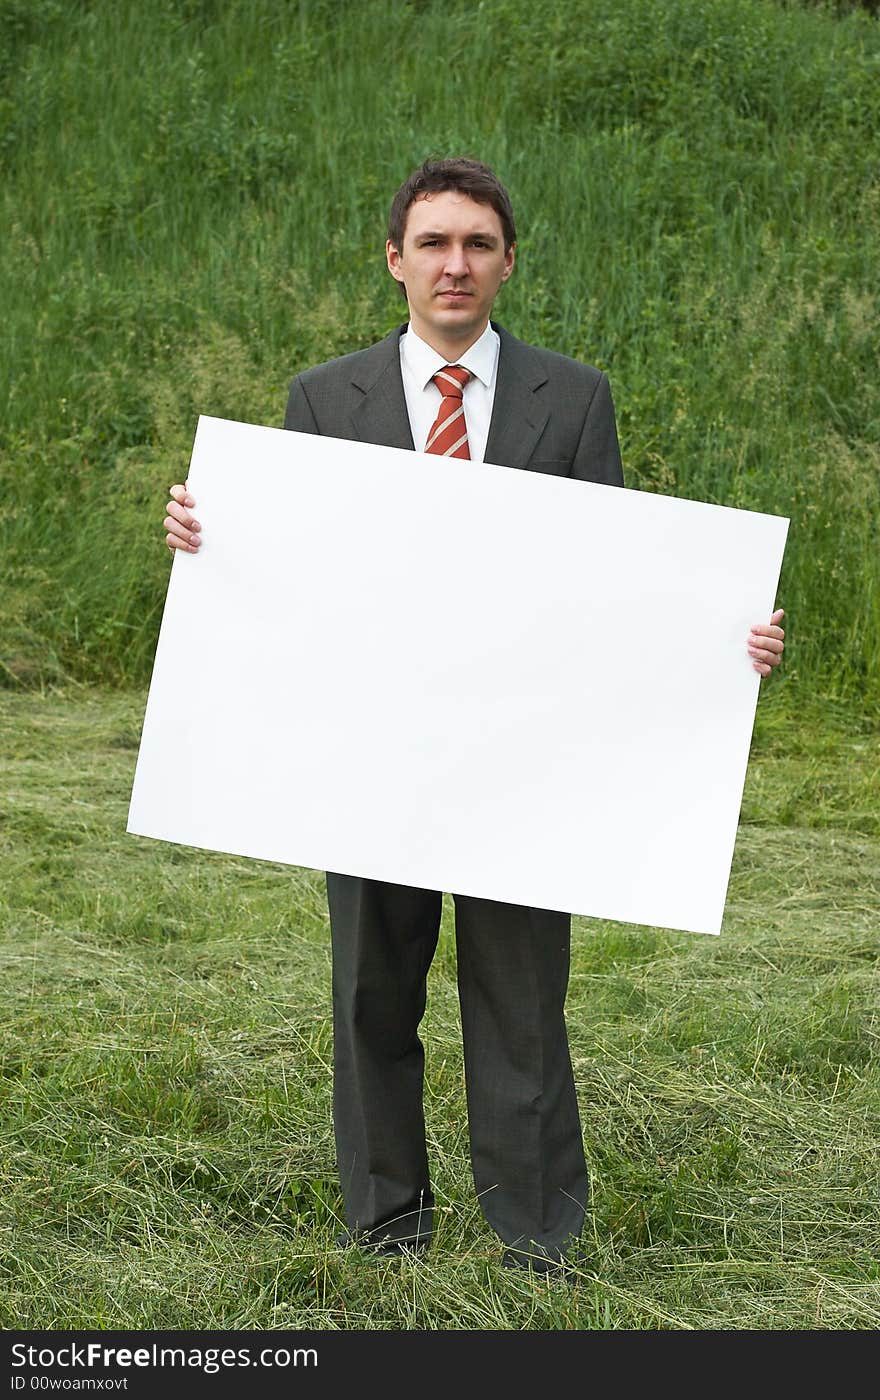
550 414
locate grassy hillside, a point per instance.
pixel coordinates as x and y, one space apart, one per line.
194 196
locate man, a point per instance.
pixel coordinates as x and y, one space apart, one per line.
453 383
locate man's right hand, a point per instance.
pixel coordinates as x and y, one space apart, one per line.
183 530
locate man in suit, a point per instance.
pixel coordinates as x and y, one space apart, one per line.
452 382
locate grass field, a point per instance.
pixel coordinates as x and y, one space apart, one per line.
167 1156
193 203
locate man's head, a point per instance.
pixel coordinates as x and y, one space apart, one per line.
470 177
451 237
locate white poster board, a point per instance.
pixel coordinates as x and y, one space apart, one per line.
457 676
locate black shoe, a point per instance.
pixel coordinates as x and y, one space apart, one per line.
539 1260
384 1246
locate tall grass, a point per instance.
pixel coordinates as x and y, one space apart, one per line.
194 196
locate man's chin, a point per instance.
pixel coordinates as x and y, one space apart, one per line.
456 317
452 323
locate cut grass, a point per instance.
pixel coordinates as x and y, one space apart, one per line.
167 1157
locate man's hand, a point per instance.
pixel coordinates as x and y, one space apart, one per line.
183 530
766 645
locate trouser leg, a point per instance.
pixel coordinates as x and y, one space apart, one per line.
526 1144
383 938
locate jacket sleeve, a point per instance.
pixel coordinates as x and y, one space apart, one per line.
299 417
598 452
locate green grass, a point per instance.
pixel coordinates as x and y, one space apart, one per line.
166 1155
193 203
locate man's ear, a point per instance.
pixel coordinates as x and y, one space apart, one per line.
509 260
394 257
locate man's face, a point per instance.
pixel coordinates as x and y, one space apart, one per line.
453 262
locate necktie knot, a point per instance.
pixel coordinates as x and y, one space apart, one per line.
450 380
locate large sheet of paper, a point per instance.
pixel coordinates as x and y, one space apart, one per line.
457 676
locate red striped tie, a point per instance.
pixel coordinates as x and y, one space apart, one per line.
448 435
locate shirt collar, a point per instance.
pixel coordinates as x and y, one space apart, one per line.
423 362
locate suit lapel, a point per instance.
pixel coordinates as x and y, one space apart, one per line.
380 416
518 416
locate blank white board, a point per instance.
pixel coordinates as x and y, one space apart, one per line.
457 676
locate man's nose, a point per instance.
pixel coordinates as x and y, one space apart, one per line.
456 262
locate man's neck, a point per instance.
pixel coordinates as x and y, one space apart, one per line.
450 347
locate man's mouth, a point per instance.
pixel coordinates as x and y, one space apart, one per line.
454 293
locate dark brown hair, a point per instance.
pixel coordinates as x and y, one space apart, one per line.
470 177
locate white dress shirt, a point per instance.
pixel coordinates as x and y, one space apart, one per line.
419 363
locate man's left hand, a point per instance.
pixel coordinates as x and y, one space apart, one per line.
766 644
